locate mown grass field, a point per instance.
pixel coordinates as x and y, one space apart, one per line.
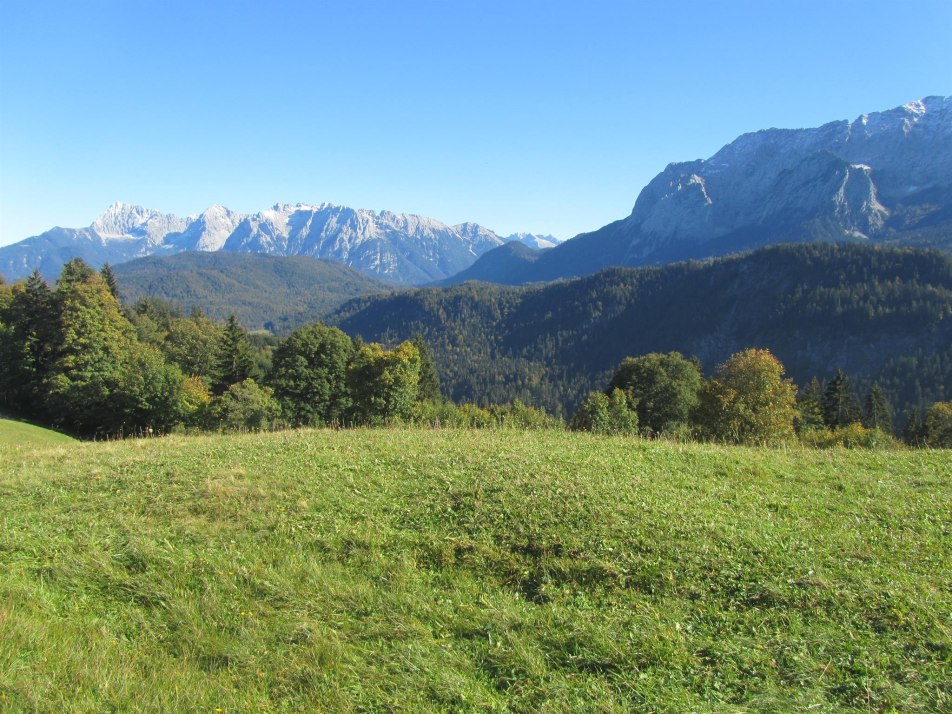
472 571
20 434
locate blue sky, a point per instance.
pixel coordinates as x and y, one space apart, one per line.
546 117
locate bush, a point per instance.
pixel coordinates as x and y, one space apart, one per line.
441 414
521 416
939 426
851 436
601 414
246 406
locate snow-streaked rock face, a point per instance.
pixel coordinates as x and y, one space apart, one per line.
210 230
534 240
849 176
124 222
399 247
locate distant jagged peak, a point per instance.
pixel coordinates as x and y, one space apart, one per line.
904 117
123 220
119 217
474 230
534 240
216 209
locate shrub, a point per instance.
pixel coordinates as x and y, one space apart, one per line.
522 416
601 414
246 405
851 436
939 426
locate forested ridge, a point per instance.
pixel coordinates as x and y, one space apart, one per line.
713 350
880 314
277 293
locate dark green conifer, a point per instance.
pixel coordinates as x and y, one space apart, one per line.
110 279
840 406
234 358
27 350
914 431
429 379
810 407
877 414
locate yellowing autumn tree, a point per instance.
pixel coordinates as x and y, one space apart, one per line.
748 401
384 384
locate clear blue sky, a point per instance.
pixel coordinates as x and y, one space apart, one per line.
538 116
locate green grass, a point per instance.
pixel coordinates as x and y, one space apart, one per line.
472 571
20 434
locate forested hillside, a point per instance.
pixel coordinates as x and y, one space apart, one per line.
262 291
877 313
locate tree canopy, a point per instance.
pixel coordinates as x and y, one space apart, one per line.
309 375
663 387
748 400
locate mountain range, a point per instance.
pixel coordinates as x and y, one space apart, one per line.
884 178
400 248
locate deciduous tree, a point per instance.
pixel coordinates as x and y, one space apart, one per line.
664 388
748 400
939 425
384 384
309 375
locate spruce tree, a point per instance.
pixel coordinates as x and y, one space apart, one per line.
87 387
810 407
914 432
110 279
234 358
877 414
840 407
429 379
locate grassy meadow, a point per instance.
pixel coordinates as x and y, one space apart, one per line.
414 570
15 433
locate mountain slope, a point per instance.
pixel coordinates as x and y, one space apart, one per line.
505 265
875 312
885 178
279 293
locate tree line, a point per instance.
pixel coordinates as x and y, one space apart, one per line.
72 356
883 315
749 400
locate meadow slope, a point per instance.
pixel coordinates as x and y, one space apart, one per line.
412 570
16 433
